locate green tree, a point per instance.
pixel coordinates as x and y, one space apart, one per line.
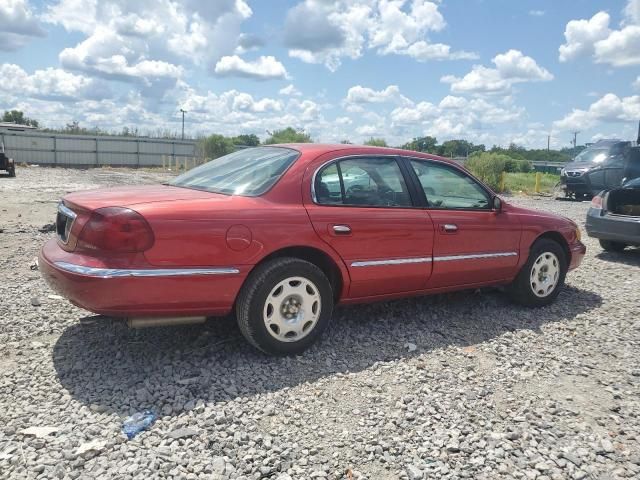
459 148
422 144
16 116
245 140
488 167
215 146
288 135
376 142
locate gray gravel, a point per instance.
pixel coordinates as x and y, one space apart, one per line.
465 385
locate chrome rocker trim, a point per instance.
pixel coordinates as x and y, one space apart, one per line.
398 261
474 256
445 258
155 272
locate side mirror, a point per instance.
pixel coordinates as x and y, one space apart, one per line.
496 204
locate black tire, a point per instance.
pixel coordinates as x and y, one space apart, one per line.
522 289
611 246
252 306
582 196
12 171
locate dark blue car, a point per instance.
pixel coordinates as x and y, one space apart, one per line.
614 217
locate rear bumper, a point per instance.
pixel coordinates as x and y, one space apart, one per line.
617 228
124 292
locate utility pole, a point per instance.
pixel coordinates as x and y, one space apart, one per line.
575 139
183 112
548 143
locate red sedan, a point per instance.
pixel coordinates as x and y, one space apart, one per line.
280 234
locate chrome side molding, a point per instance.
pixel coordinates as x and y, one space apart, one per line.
474 256
150 272
444 258
395 261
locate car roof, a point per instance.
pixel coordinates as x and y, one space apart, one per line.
321 148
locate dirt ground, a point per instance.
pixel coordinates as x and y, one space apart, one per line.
465 385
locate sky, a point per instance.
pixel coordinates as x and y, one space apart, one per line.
489 71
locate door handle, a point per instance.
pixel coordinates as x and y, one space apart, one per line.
342 229
449 228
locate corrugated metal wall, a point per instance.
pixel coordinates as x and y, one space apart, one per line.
33 147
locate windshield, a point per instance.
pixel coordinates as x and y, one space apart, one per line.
635 183
249 172
593 155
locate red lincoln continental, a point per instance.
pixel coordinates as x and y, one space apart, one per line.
280 234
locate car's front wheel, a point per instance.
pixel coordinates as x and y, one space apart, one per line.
541 278
284 306
611 246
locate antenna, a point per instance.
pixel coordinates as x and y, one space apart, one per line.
638 140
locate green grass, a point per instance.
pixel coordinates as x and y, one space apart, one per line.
526 182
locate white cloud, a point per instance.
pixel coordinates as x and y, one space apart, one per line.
636 83
50 83
359 94
453 103
290 90
511 67
318 31
414 115
609 108
632 12
581 36
18 24
264 68
245 102
593 37
537 13
148 39
621 48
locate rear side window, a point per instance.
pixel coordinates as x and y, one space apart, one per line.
366 182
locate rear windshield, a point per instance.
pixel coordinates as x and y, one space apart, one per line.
249 172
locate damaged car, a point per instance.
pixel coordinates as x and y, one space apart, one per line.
614 217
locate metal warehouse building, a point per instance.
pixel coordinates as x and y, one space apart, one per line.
28 145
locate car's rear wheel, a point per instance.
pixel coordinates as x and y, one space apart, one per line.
12 171
540 280
611 246
284 306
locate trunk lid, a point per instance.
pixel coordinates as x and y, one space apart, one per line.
131 196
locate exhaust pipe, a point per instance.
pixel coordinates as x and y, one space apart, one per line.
145 322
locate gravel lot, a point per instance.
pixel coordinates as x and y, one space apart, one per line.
453 386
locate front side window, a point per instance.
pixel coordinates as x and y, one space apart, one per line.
249 172
368 182
449 188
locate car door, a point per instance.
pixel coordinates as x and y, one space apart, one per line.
361 206
472 243
614 171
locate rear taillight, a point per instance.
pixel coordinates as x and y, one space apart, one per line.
596 202
117 230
